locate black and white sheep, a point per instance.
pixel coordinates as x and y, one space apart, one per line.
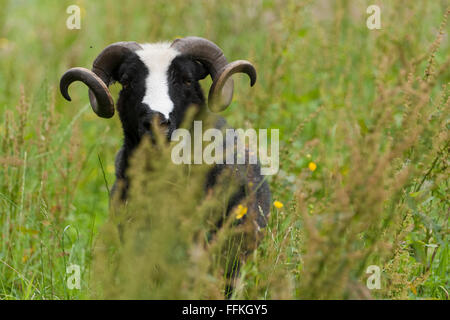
162 80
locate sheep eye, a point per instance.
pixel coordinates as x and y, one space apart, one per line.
125 80
187 82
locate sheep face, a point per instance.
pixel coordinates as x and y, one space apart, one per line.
158 84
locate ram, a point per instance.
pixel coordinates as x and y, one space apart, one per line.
159 83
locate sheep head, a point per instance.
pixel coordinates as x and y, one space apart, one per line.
159 61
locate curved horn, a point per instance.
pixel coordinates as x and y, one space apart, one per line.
101 97
239 66
207 52
100 77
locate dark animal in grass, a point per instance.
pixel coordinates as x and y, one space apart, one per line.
159 82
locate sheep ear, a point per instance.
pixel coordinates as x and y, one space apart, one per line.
201 71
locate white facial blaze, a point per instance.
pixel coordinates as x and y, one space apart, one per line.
157 57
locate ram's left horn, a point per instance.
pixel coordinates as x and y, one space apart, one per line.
215 101
212 57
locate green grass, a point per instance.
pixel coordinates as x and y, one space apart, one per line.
369 107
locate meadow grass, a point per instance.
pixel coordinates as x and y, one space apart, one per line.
363 180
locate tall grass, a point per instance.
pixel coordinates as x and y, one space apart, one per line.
368 107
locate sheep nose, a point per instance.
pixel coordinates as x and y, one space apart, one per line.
161 119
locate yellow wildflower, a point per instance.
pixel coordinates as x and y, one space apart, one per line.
278 204
240 211
312 166
413 289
